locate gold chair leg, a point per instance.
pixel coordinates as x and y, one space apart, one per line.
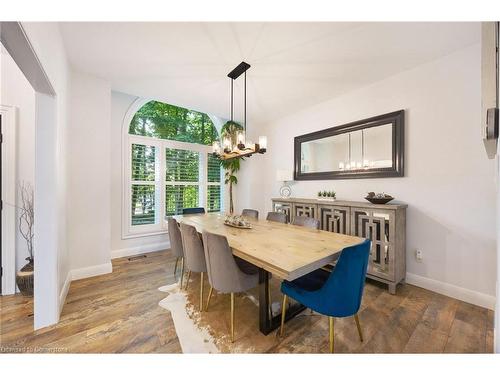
356 318
232 317
201 291
182 271
209 296
187 280
175 268
331 334
283 312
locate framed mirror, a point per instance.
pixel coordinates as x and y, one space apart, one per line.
370 148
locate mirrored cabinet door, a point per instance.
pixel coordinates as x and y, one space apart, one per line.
304 209
378 226
285 208
334 218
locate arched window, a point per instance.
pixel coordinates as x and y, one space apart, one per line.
166 121
169 166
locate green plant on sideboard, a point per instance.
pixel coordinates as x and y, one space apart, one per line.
327 194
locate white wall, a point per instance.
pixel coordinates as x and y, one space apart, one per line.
17 92
51 251
449 184
89 193
120 104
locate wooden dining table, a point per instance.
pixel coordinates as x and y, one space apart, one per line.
284 250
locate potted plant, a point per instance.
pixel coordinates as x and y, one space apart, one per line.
231 166
327 195
25 276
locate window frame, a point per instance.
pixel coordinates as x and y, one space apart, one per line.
160 183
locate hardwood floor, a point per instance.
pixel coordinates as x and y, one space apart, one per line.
119 312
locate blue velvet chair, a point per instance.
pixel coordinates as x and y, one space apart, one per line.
337 294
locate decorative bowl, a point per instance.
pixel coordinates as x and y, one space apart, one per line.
248 226
237 222
383 200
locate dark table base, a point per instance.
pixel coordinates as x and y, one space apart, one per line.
268 324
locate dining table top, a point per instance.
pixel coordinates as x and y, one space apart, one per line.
285 250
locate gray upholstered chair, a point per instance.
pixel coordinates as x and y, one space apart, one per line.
226 273
279 217
305 221
250 213
174 233
194 255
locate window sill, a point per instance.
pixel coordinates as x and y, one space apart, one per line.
145 234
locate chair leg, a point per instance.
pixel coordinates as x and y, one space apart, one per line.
283 312
232 317
175 268
332 334
356 318
187 280
201 291
209 296
182 271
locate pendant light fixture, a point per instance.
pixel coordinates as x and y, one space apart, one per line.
237 145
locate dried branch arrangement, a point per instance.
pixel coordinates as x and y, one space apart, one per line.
27 217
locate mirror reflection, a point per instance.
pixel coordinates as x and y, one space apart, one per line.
369 148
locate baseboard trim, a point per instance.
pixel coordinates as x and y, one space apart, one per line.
64 291
450 290
130 251
100 269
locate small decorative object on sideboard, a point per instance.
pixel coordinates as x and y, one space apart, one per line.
285 176
327 195
379 198
237 221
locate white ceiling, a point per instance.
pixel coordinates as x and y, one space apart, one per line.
294 65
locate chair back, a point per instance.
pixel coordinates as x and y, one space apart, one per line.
344 288
221 267
194 255
250 213
305 221
193 210
279 217
174 233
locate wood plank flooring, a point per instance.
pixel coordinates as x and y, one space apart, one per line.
119 312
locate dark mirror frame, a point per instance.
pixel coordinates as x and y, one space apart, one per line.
397 119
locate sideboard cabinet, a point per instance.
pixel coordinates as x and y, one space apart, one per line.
383 224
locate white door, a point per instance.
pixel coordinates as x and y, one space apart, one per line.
8 198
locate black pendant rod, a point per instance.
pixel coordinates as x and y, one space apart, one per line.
349 136
245 106
362 147
231 100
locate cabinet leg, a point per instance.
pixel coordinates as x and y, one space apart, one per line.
392 288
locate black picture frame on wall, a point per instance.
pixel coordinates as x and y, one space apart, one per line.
397 119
